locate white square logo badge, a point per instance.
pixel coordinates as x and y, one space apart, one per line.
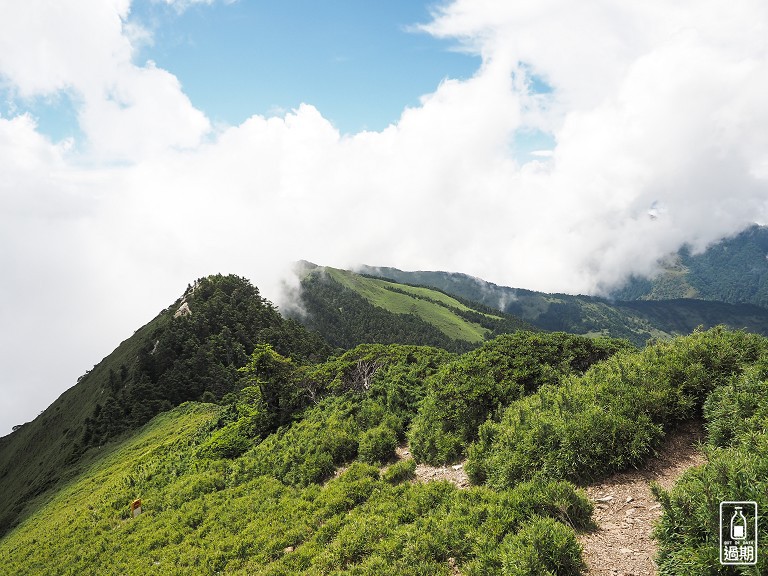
738 533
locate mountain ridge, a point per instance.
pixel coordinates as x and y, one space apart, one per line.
636 320
733 270
257 449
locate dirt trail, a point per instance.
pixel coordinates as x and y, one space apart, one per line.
424 473
626 511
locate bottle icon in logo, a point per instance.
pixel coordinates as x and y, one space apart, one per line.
738 525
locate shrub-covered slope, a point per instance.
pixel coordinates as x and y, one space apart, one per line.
614 416
294 470
736 415
190 350
276 506
350 309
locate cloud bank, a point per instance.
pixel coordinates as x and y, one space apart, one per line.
656 110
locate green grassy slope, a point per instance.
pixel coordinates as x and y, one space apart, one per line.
66 533
350 309
169 361
279 508
636 321
435 311
532 411
39 454
315 497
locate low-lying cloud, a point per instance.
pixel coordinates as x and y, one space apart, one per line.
656 110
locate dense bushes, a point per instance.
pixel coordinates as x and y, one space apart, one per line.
737 470
400 471
542 547
464 393
611 418
188 357
377 445
203 516
284 477
359 403
688 533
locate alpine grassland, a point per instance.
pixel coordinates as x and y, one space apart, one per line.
307 498
350 309
256 448
735 299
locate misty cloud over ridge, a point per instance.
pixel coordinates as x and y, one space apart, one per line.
656 110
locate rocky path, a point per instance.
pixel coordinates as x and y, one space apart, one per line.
424 473
626 511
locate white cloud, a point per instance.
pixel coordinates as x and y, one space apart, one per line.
654 104
85 48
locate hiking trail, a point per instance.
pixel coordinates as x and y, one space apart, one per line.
626 511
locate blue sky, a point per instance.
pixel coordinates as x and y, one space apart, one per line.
359 63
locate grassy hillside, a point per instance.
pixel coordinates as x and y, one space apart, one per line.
40 453
280 508
290 464
636 321
324 493
349 309
174 358
431 306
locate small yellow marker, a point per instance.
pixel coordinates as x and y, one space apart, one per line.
135 508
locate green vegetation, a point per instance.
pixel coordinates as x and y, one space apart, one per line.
400 472
734 270
173 359
256 452
466 392
350 309
277 507
197 354
611 418
736 414
636 321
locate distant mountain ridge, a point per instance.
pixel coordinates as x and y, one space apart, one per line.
636 320
350 309
733 270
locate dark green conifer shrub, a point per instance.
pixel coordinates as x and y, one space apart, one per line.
400 471
480 384
736 416
611 418
377 445
542 547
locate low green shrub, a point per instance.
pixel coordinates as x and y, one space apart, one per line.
563 432
737 470
611 418
542 547
377 445
400 471
688 532
202 516
737 408
478 385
